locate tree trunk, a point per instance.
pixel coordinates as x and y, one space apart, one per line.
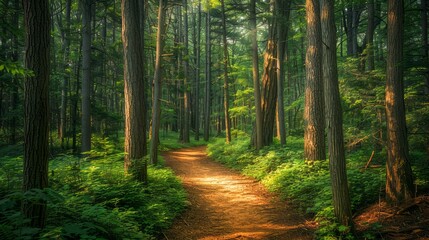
134 92
36 87
14 97
314 137
255 74
370 36
147 84
65 83
157 79
269 85
269 90
351 22
186 94
425 44
399 180
75 99
334 119
86 78
208 80
225 77
197 74
282 16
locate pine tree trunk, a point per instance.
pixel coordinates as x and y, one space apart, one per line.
314 137
157 79
14 97
197 73
36 88
425 43
207 80
86 78
269 84
66 80
334 118
225 77
370 36
186 94
282 18
269 89
134 92
255 74
399 180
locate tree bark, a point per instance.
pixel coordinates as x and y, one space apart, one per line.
269 85
14 97
225 77
314 137
186 94
65 83
86 78
197 74
334 118
399 180
157 80
255 74
425 43
370 36
134 92
36 87
208 80
351 22
282 16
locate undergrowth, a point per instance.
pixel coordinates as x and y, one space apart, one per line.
91 198
307 185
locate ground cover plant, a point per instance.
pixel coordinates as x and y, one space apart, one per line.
90 197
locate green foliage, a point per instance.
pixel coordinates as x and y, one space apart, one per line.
13 68
169 141
91 198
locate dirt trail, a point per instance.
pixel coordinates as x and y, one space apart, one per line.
227 205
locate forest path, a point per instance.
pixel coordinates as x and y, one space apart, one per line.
226 205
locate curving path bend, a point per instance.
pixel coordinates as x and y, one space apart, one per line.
226 205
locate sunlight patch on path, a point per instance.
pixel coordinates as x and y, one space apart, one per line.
227 205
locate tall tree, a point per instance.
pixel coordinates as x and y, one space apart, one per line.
351 20
399 180
36 127
425 43
65 83
225 76
314 137
370 36
14 98
269 84
156 103
207 99
282 16
135 117
86 78
197 53
186 94
255 73
334 116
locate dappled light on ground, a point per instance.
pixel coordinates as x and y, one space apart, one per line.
226 205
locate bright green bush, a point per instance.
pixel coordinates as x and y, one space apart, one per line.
91 198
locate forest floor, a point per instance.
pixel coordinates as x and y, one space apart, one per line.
409 221
227 205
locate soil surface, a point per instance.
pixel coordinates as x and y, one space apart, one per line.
410 221
227 205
